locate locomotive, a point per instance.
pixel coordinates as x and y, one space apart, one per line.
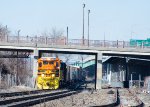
54 73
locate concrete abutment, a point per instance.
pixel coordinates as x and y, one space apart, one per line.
98 71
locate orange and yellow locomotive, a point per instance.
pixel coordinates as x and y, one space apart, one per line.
54 73
49 73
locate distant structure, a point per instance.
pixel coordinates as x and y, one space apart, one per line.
138 42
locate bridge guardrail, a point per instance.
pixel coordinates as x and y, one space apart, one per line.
71 42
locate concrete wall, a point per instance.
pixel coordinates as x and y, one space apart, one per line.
99 71
35 64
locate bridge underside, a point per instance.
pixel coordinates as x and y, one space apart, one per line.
131 55
97 73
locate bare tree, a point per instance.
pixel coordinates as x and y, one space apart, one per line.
4 32
56 33
53 33
45 34
67 57
16 67
54 36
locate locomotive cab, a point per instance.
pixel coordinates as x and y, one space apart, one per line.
48 73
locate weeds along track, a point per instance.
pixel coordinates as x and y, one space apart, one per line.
36 97
128 99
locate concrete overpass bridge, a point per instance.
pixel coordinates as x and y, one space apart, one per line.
67 48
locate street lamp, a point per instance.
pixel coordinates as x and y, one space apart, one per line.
83 25
67 35
88 25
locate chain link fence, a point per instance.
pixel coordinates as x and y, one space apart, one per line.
62 40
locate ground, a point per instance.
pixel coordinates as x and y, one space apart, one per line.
84 99
16 89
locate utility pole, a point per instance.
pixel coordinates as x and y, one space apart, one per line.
67 35
88 26
83 25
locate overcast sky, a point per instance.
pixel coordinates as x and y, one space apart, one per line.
116 18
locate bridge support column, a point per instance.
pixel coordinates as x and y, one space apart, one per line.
99 71
35 65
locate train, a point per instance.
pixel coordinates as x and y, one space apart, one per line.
53 73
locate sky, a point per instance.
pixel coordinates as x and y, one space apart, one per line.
109 19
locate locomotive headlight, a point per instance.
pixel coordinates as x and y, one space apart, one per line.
53 75
42 75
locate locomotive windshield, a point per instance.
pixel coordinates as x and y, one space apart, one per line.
51 62
45 62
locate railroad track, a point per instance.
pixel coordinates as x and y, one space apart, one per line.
127 98
10 94
35 98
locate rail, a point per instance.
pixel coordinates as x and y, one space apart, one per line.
127 98
48 95
11 94
29 100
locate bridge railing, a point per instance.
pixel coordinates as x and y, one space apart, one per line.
99 43
70 42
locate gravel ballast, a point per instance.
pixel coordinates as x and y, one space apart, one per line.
84 99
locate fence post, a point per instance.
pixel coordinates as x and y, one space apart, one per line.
18 39
123 44
36 40
27 39
117 43
46 40
18 35
64 40
7 38
104 43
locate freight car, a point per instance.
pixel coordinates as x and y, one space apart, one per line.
75 74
